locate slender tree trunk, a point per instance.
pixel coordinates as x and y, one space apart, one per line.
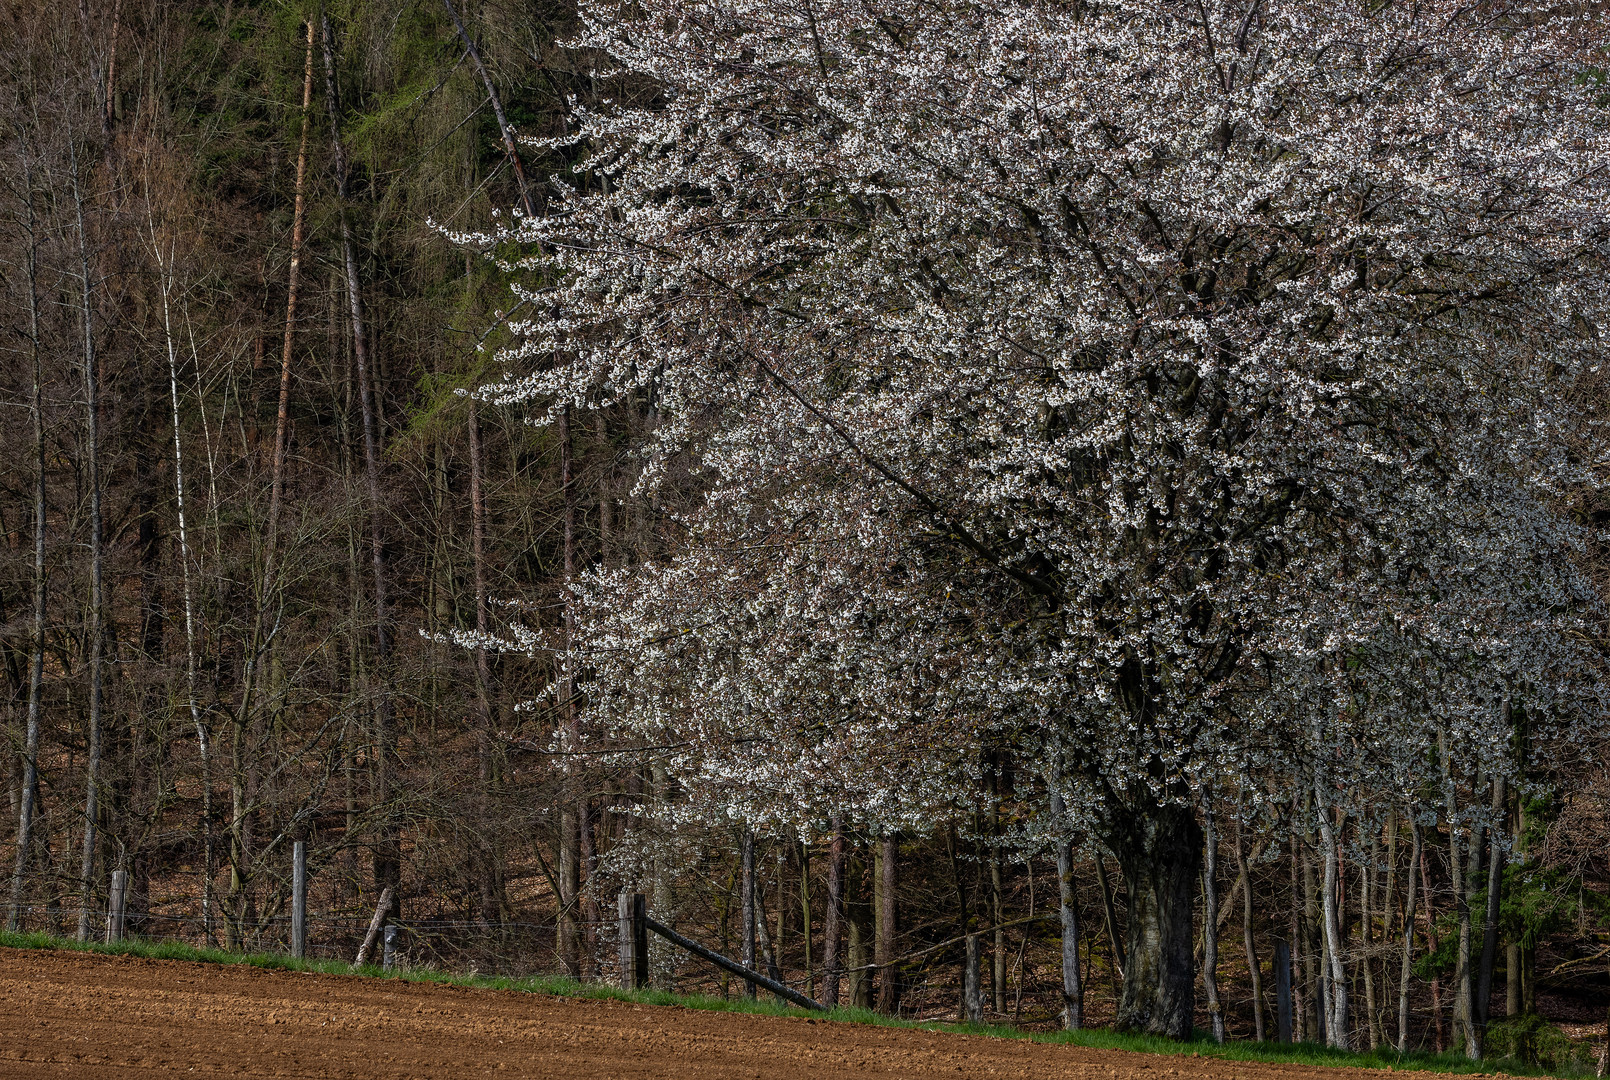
1109 916
491 878
1337 1022
883 950
36 653
1462 1012
1366 877
1210 918
1068 911
1495 887
497 108
282 420
1431 947
97 602
571 823
747 904
203 742
1160 850
832 964
387 854
1247 940
1407 966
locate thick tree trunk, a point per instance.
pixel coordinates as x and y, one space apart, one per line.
1160 851
832 964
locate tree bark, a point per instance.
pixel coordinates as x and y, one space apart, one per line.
1336 1023
883 949
36 653
747 904
832 955
1210 919
1068 911
497 108
97 603
1489 930
1407 966
387 853
282 419
203 741
1159 847
1247 940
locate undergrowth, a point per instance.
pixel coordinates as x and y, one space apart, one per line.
1568 1060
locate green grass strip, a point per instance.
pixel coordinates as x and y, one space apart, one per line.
563 986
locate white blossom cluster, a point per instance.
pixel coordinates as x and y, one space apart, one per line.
1179 392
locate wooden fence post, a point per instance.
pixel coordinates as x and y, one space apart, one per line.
299 900
640 940
628 939
116 904
972 993
388 952
1283 988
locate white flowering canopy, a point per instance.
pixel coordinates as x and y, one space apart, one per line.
1178 390
1172 390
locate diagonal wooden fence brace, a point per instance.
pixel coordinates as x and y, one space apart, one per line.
735 968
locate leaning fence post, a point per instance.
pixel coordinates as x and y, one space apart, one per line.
299 900
382 909
972 995
640 940
116 903
1283 988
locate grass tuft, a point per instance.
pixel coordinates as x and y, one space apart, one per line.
1202 1044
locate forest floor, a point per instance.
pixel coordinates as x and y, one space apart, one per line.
87 1015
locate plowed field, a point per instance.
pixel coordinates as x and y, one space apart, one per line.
79 1015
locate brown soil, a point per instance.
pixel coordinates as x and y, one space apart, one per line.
80 1015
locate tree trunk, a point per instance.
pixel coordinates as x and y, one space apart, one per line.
1407 965
203 742
97 600
387 852
489 871
883 950
36 654
747 903
1210 919
1489 931
1068 911
1336 1023
282 420
1247 940
832 964
1366 911
497 108
1110 918
1159 848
